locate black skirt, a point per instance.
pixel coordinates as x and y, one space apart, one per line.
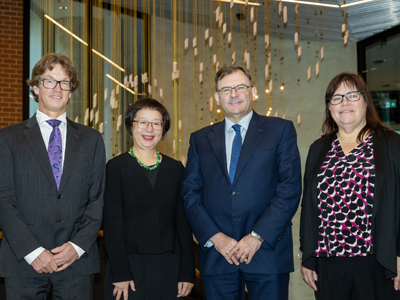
155 277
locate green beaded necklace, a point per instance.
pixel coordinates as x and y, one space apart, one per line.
142 164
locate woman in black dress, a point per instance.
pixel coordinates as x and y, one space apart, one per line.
146 235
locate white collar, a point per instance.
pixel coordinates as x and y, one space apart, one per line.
243 122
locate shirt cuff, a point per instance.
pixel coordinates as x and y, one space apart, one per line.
33 255
78 249
209 244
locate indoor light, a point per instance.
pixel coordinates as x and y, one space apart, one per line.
65 29
82 41
311 3
109 60
240 2
119 83
355 3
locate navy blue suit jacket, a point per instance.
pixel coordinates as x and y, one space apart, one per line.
264 196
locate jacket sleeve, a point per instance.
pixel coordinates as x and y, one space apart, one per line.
272 225
114 229
202 225
90 224
186 263
306 200
16 231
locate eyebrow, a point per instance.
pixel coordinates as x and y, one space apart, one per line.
145 119
51 77
233 86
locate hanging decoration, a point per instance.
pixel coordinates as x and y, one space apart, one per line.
170 50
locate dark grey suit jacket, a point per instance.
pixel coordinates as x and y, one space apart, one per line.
33 213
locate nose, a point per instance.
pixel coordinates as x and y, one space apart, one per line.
345 101
234 93
149 127
58 86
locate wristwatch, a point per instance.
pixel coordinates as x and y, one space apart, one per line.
256 236
300 254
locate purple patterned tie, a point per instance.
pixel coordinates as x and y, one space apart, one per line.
55 150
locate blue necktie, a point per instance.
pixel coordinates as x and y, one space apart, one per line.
236 147
55 151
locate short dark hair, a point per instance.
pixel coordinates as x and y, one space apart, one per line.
148 103
373 123
226 70
48 62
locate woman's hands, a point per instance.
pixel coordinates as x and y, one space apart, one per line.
184 289
309 277
122 288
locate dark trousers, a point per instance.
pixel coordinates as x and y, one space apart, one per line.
259 286
61 287
353 278
155 277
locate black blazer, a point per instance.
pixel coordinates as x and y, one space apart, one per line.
34 213
386 209
140 219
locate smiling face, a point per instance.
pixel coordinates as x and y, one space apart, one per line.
349 116
235 106
53 102
146 138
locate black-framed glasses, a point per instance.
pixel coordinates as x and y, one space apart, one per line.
142 124
240 89
350 96
49 83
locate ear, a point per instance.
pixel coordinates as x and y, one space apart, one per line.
70 94
216 97
35 90
254 92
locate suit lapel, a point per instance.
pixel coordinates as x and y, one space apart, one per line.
257 128
217 142
380 150
73 144
35 140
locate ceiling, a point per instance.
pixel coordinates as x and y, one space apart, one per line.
363 20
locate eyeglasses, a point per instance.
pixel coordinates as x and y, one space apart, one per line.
52 83
350 96
240 89
142 124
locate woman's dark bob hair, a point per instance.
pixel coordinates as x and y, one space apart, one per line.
146 103
355 82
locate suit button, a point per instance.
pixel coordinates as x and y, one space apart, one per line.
59 196
233 193
58 221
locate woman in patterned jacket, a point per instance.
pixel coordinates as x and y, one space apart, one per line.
349 231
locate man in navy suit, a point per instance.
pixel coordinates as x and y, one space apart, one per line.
241 188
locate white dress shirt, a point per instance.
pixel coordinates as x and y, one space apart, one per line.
229 136
46 129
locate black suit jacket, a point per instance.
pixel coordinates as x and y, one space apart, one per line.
386 210
140 219
34 213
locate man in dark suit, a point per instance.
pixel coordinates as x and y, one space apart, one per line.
241 188
51 193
